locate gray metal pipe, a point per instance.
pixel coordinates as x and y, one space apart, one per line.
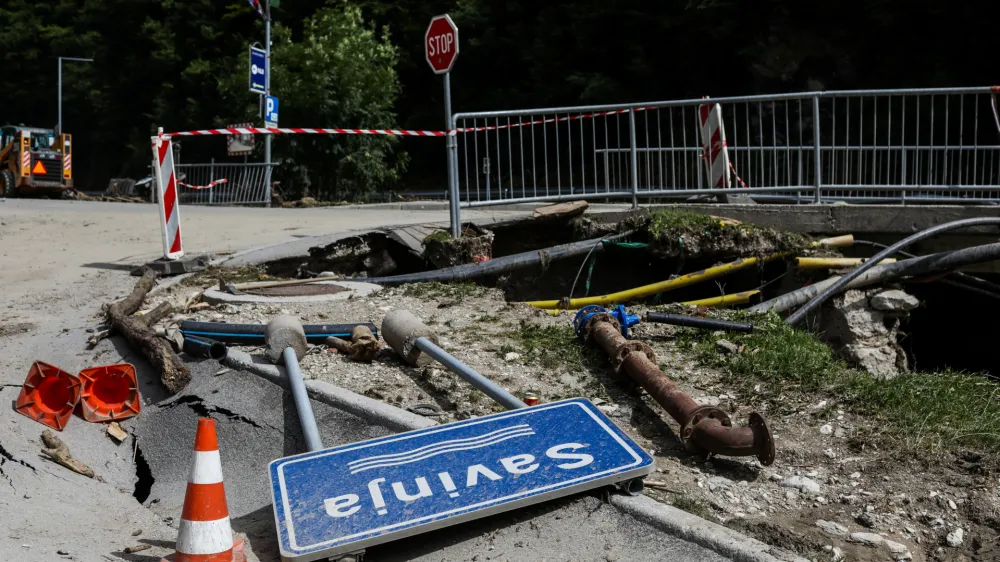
302 404
839 284
489 388
942 261
730 99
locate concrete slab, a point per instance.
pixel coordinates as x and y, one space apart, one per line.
841 219
355 289
412 236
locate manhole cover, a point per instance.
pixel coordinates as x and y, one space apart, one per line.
307 290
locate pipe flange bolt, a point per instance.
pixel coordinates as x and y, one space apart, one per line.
762 439
593 320
627 348
704 412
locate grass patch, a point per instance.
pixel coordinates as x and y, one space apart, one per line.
691 506
553 346
437 235
665 220
435 290
918 411
675 232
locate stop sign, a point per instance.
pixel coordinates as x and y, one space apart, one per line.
441 44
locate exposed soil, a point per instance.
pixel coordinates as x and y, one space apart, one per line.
907 498
674 234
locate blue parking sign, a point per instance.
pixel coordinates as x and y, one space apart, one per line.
258 70
351 497
271 111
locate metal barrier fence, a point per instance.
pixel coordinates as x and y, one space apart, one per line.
245 183
890 146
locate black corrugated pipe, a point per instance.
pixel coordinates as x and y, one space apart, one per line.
696 322
254 333
499 265
955 279
839 285
886 272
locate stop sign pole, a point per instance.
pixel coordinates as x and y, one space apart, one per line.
441 50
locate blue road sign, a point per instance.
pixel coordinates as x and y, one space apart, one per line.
355 496
271 111
258 70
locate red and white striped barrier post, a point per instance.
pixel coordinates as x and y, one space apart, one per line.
166 184
713 142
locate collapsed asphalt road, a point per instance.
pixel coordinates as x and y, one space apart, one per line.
50 513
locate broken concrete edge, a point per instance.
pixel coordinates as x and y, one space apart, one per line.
165 267
837 218
355 289
435 206
702 532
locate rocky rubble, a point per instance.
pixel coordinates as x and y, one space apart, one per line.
863 327
839 499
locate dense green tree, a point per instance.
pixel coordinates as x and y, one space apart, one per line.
340 73
180 64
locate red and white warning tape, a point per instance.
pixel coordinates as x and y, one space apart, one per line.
553 120
213 184
299 131
390 132
742 183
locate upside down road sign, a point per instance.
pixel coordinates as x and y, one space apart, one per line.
351 497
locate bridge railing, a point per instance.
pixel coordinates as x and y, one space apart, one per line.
887 146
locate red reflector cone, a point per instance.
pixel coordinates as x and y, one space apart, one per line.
110 392
205 534
48 395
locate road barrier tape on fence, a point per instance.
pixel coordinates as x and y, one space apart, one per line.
552 120
211 185
304 131
391 132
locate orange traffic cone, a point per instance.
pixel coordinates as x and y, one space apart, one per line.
48 395
205 534
110 392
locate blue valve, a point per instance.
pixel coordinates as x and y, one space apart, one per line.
625 320
583 316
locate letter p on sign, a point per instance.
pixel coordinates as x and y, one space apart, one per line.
441 44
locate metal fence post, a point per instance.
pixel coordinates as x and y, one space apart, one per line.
267 184
452 144
818 157
635 159
211 178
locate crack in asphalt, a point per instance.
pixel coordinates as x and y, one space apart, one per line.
144 475
202 409
5 456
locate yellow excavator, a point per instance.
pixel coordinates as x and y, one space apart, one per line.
34 160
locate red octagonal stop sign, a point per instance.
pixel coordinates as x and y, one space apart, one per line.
441 44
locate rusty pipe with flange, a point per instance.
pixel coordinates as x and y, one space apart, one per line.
704 429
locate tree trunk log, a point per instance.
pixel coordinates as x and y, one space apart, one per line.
173 373
157 314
